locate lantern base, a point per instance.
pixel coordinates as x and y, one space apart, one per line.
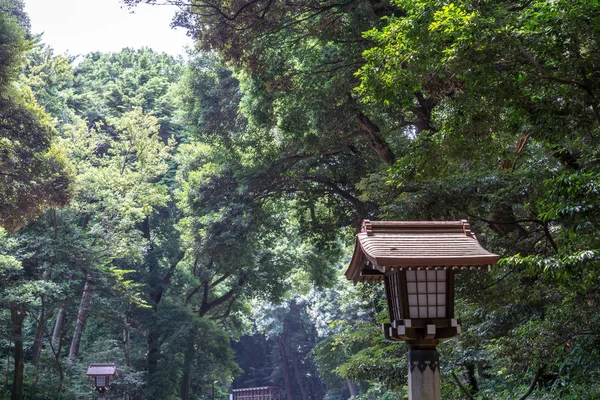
424 374
419 330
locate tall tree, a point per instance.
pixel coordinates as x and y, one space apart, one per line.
34 173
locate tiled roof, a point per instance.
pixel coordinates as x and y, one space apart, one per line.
101 370
415 244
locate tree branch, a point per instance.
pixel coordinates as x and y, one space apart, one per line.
158 289
536 377
462 388
373 135
207 306
329 152
191 293
228 311
167 278
544 225
220 280
356 203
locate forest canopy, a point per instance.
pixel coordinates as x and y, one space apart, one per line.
190 219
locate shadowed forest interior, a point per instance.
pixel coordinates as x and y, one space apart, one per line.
190 219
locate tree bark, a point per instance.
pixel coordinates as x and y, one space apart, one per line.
157 288
285 369
86 299
470 377
184 391
504 214
17 314
153 343
208 305
40 329
371 132
297 375
127 345
351 388
6 375
57 347
361 210
36 351
462 387
536 377
58 326
61 373
423 113
188 360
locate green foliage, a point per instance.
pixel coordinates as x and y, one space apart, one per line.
216 202
50 78
13 45
34 174
108 85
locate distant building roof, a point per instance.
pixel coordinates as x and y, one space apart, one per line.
102 370
415 244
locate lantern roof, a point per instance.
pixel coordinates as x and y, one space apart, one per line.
102 370
414 245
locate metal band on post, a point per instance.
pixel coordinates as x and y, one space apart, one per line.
424 375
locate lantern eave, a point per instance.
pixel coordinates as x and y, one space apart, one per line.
419 244
102 370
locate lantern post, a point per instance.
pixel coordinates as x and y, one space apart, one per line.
417 261
102 374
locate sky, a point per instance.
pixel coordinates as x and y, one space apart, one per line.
82 26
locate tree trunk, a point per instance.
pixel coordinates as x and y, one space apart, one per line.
153 353
86 298
184 391
58 326
351 388
188 359
61 373
6 375
39 342
317 389
423 113
297 374
371 132
127 345
36 351
470 377
57 347
503 221
17 314
284 365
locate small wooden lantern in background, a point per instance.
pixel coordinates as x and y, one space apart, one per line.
417 261
102 374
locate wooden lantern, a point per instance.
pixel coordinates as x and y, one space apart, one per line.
102 374
417 260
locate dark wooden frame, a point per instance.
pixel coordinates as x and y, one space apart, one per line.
403 328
